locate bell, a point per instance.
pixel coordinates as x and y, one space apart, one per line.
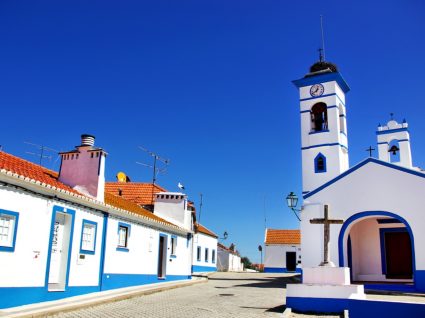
394 149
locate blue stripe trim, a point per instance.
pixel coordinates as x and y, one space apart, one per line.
102 253
361 164
322 305
318 132
18 296
311 98
325 145
15 215
113 280
390 131
203 269
400 140
383 143
323 78
281 270
360 215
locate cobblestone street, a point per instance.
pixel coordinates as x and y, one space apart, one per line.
224 295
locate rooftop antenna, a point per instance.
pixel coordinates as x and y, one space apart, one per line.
200 207
322 57
264 211
42 150
156 170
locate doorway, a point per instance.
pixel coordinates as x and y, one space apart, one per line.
59 251
162 256
398 255
291 261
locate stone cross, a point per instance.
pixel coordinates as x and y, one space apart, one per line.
326 235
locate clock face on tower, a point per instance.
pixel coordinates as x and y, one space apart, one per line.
317 90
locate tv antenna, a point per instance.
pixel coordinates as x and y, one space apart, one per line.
43 151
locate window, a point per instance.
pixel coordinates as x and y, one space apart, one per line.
88 237
342 121
213 256
123 235
206 255
320 163
319 117
173 245
198 254
8 229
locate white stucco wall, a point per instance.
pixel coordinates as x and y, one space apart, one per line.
204 241
275 255
143 249
173 208
26 266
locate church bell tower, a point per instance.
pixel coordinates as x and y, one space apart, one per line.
324 144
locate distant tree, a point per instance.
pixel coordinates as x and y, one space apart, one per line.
246 262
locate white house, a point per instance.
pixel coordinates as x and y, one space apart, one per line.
204 257
380 200
282 253
61 235
228 259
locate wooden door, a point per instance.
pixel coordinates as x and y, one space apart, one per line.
398 255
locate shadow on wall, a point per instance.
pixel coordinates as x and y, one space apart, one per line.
263 282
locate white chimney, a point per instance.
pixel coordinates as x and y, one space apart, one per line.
83 169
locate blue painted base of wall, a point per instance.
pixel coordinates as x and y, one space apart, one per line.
280 270
203 269
391 287
113 281
420 280
18 296
373 309
357 308
322 305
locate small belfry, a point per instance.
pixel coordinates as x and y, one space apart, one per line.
324 141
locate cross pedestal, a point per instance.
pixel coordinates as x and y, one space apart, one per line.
325 288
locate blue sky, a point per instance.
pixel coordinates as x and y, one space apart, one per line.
208 85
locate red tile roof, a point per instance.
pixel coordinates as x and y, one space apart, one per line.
127 205
202 229
32 171
137 192
45 176
283 236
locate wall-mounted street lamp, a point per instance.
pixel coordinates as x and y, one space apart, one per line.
292 201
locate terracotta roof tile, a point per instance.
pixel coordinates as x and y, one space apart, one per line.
30 170
137 192
202 229
283 236
127 205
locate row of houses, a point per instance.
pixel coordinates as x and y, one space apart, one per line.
70 232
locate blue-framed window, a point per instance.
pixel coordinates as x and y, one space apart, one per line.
206 255
123 236
213 256
173 245
198 254
8 230
320 163
88 237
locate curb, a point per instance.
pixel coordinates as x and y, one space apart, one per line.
93 299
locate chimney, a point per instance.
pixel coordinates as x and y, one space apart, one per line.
83 169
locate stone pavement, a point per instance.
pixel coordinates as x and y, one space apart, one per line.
225 295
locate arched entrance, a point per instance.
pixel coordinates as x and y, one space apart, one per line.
378 247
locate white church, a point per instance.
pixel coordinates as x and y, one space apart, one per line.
380 202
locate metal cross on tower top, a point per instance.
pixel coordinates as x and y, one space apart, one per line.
326 235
